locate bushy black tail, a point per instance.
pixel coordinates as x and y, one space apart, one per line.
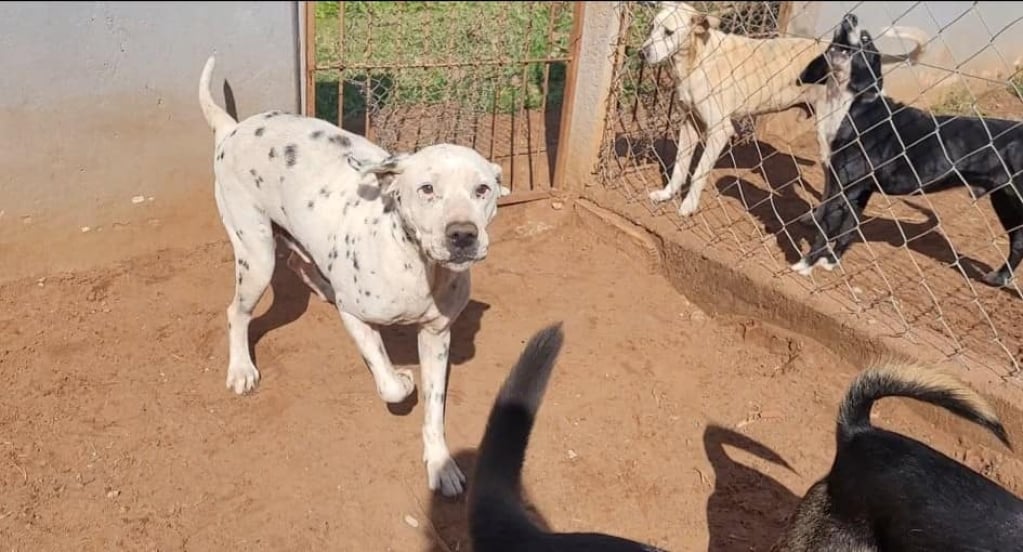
915 382
495 503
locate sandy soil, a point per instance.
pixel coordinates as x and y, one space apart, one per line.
661 423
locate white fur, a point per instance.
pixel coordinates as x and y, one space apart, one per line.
367 231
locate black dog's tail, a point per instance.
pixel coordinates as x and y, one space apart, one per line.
495 504
915 382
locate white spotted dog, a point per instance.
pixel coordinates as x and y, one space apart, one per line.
388 238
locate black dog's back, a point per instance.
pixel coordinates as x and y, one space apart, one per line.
497 519
907 494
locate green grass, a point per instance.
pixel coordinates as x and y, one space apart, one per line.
378 36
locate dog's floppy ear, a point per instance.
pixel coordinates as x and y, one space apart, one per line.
815 72
385 171
702 22
498 172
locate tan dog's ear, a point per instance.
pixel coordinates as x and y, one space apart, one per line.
702 22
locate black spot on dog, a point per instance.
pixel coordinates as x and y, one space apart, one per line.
260 130
348 253
357 202
282 180
348 239
243 263
233 132
272 154
310 204
259 182
355 279
394 225
290 155
333 254
367 293
271 115
241 277
284 211
325 192
238 233
355 262
375 221
408 267
316 135
340 141
330 267
220 155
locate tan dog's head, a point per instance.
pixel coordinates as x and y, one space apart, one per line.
446 196
675 24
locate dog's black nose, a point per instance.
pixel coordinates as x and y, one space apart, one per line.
461 235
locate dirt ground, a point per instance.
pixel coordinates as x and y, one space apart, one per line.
661 423
915 271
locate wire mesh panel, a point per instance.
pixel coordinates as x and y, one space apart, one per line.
488 75
916 267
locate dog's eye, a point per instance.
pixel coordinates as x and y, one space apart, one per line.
668 32
426 189
482 190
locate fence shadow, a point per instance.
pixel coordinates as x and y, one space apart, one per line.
777 215
449 517
747 510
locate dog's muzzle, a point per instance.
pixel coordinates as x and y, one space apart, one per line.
462 241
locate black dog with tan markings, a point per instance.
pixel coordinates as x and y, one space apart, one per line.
886 491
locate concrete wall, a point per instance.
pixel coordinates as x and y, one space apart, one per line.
98 106
981 39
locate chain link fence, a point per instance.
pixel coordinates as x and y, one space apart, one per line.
490 76
915 269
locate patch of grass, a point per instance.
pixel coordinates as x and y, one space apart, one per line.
430 53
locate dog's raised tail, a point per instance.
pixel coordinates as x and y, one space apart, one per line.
915 382
495 504
219 120
917 36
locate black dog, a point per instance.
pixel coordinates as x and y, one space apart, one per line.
880 144
498 522
889 492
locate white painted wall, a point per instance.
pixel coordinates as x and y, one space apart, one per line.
982 39
98 104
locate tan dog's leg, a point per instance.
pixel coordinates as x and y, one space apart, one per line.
687 140
719 132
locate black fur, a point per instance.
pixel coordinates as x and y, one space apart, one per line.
886 491
498 521
886 145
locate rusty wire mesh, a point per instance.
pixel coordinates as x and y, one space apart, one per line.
490 76
914 271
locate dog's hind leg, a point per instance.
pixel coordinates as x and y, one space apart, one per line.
1009 208
249 230
720 132
393 386
688 138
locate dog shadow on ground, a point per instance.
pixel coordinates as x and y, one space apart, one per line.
747 509
291 297
777 215
449 522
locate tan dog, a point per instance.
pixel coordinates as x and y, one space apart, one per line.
721 77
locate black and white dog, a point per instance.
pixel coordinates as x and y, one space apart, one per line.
886 491
498 521
877 144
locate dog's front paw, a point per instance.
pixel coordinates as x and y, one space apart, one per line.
444 474
660 196
399 388
689 205
802 267
242 377
997 278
